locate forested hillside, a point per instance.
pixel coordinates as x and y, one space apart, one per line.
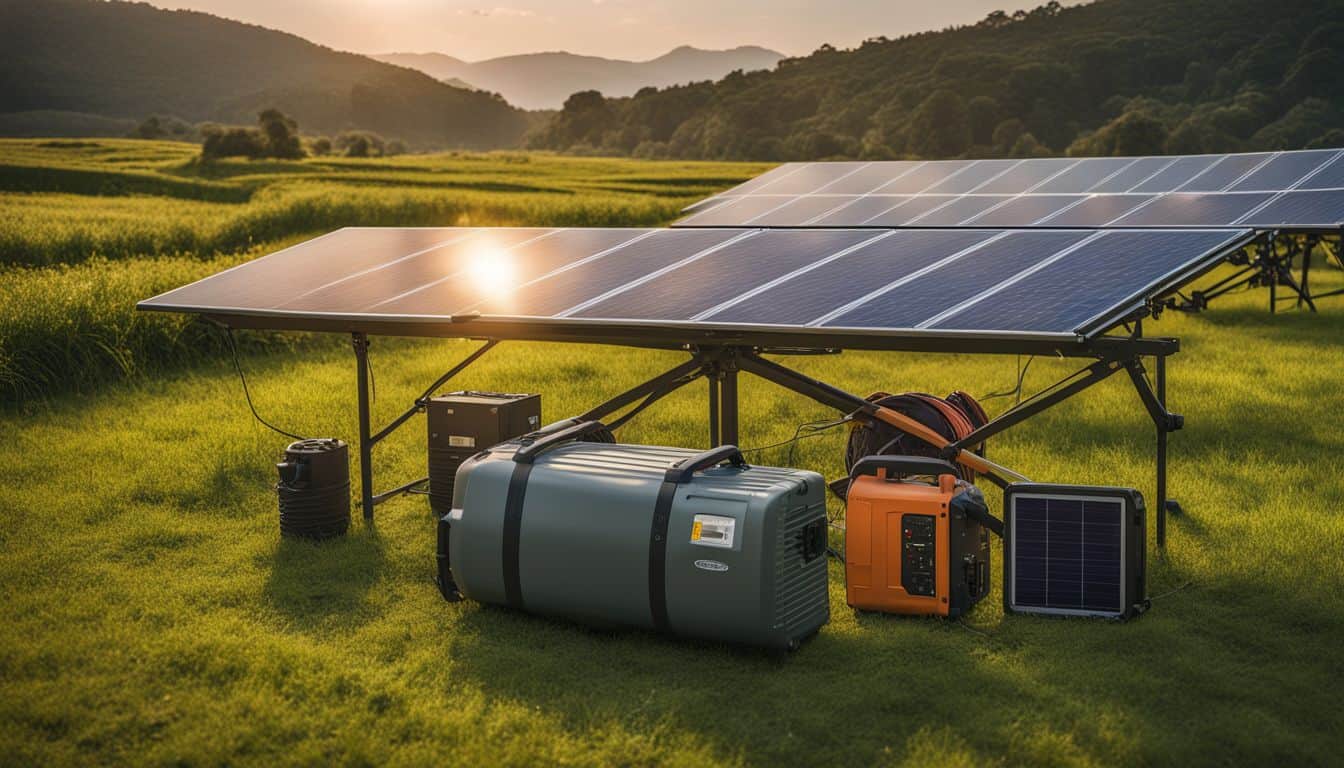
1115 77
64 60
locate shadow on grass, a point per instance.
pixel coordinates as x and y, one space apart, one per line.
1159 689
325 583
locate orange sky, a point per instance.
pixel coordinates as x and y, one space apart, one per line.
635 29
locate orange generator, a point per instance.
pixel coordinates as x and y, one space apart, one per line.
912 546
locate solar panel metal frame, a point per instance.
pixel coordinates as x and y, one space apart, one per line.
678 334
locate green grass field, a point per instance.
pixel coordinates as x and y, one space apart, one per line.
152 615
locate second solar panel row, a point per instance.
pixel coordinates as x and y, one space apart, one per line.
1316 209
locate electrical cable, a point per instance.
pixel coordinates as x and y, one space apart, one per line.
1021 377
238 366
1170 591
816 428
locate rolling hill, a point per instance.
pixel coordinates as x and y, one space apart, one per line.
1112 77
76 58
545 80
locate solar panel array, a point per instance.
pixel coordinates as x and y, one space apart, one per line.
1301 190
1065 283
1067 554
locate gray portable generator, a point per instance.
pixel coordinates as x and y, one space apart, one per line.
668 539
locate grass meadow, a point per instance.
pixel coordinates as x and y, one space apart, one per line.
152 615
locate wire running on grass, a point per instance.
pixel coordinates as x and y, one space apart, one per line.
238 366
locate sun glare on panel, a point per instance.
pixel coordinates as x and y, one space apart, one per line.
491 272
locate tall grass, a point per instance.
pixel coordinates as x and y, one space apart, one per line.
68 328
42 229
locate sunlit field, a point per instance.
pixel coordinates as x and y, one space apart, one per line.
152 615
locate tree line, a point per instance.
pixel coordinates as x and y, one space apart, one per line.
1115 77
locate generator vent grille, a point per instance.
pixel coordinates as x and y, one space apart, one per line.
800 585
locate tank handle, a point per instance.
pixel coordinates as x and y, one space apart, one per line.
682 471
543 442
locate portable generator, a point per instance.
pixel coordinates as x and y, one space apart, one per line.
640 536
462 423
914 547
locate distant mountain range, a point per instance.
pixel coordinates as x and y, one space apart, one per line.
67 66
545 80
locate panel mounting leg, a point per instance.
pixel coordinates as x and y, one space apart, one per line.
728 433
1163 504
361 345
713 381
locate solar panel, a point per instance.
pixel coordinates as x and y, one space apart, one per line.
815 284
1074 550
1116 268
1161 191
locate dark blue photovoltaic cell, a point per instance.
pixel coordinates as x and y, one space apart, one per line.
1320 208
859 211
908 305
735 211
796 211
1067 553
1026 175
909 210
807 297
390 267
869 178
1133 174
1329 177
526 262
1283 171
572 287
958 210
808 178
1024 211
1110 271
1087 173
926 175
1223 173
1177 173
1181 210
979 173
727 273
1097 211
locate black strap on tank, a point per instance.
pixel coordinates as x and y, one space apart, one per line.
513 527
662 516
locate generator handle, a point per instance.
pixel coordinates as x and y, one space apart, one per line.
906 465
683 470
530 451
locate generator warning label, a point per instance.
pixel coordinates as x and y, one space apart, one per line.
713 531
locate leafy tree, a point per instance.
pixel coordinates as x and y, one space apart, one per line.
281 134
320 146
394 147
1133 133
982 114
360 144
939 127
151 128
231 141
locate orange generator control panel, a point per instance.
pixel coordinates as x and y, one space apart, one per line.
913 546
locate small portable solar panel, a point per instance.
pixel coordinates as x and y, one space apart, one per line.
1074 550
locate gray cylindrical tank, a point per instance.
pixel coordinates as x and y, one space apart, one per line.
744 556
